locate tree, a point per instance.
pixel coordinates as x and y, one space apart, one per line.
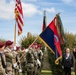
57 69
27 41
3 40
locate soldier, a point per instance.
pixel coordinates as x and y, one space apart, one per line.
15 61
40 57
30 62
2 59
36 60
22 60
17 58
40 53
9 56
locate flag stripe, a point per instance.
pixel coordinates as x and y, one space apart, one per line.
46 44
48 37
19 26
54 29
19 32
20 19
19 16
19 9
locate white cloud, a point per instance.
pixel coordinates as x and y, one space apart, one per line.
50 10
68 1
7 9
30 10
32 0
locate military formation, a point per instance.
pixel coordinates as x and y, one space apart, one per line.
14 60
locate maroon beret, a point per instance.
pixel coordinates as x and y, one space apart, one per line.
35 43
17 48
1 44
9 43
39 45
23 48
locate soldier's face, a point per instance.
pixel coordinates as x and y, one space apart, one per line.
10 46
39 48
2 48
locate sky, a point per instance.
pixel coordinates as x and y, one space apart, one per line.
33 11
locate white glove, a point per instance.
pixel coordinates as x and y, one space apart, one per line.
39 63
71 68
62 67
26 50
14 65
14 47
20 70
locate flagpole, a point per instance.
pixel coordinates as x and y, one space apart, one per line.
29 47
45 24
15 35
44 21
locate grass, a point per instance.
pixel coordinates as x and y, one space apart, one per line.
73 73
47 72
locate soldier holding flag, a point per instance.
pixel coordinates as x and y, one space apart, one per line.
40 58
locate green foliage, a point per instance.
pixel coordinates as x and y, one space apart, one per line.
3 40
27 41
57 69
70 40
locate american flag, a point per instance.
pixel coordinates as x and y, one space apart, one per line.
19 16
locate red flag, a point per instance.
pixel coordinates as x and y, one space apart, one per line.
50 38
19 16
58 52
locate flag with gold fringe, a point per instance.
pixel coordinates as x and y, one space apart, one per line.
50 38
60 29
